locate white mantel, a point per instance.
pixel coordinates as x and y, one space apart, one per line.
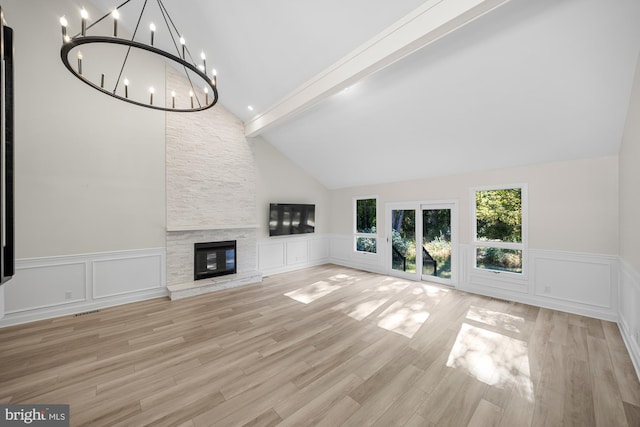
209 227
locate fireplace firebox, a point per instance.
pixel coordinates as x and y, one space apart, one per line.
214 259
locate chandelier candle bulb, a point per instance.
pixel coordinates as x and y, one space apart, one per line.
173 99
151 91
126 88
84 15
116 16
204 61
191 96
64 23
214 80
80 63
183 43
152 27
206 95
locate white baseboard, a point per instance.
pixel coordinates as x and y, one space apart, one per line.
44 288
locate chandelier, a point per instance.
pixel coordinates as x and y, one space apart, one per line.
202 93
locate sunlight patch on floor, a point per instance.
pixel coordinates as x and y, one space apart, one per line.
312 292
403 318
364 309
505 321
433 293
394 287
494 359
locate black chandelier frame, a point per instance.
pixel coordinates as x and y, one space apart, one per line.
82 39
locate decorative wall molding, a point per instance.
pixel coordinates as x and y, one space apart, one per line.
629 309
342 253
282 254
56 286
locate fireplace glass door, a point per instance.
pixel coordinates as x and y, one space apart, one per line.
214 259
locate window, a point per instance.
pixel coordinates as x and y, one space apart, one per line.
500 229
366 237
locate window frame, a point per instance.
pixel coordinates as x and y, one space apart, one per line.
522 246
357 235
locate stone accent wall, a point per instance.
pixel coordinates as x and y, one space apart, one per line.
211 184
211 170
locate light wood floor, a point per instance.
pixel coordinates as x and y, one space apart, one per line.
325 346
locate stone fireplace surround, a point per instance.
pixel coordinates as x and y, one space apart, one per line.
211 181
180 251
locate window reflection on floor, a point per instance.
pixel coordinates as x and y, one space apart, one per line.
321 288
404 319
396 305
493 358
505 321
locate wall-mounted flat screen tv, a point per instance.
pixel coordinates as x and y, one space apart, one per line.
291 218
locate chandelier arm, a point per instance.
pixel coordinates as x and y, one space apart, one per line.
164 16
126 57
67 47
163 8
103 17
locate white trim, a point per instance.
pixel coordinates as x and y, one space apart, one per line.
456 256
159 256
66 266
629 320
205 227
292 253
357 234
523 246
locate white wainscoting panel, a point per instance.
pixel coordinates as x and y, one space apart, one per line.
281 254
319 250
46 285
43 288
297 252
569 278
118 275
271 255
629 304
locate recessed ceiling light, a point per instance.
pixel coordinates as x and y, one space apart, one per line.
250 107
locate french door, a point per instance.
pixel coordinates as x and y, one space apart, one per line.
423 241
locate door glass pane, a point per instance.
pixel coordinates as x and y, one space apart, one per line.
403 243
436 237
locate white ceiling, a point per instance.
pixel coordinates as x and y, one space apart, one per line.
530 82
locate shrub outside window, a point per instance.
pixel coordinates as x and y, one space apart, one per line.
500 229
366 237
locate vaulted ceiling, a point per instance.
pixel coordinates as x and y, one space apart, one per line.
336 88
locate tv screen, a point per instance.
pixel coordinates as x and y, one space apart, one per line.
289 218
